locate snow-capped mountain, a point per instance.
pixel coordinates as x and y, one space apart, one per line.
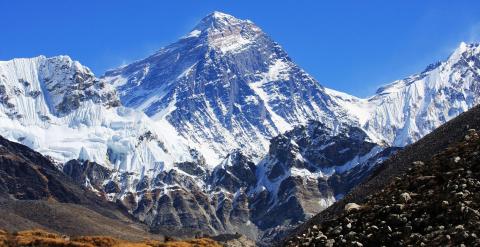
222 131
226 85
402 112
58 107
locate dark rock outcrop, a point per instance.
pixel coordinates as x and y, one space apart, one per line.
307 169
235 172
89 174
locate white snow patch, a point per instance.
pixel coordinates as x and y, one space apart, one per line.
192 34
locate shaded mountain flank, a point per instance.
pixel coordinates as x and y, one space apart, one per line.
35 194
426 194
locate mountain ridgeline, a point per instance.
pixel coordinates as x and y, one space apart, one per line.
221 132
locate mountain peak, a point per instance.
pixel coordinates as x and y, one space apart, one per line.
220 15
218 21
225 33
217 16
472 49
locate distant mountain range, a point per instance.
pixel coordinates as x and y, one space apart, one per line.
221 132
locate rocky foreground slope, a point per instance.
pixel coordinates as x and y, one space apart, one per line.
435 202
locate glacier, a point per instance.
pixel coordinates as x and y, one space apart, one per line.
57 107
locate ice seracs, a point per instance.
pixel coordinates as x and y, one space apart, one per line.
59 108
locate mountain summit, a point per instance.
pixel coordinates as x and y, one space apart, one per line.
225 85
218 20
226 33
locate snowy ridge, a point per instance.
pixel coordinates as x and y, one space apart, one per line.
57 107
406 110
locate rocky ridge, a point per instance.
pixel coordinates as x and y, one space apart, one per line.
237 195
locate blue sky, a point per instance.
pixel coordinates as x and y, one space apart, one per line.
351 46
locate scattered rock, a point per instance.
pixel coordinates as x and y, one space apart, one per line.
433 204
418 163
352 207
405 197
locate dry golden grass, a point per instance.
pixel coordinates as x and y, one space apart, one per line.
3 238
43 238
200 242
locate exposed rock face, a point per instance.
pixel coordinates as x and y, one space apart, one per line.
237 171
181 201
298 179
90 173
295 179
27 175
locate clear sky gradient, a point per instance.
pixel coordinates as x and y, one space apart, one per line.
351 46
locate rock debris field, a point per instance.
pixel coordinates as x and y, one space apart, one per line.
435 203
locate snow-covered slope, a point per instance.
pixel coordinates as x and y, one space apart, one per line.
402 112
226 85
57 107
